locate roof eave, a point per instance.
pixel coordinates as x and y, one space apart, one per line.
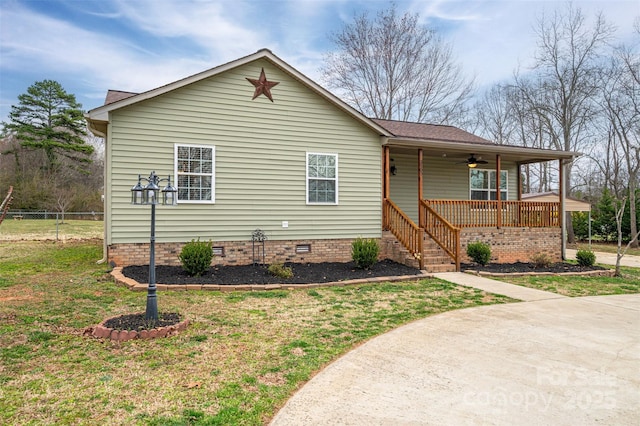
459 147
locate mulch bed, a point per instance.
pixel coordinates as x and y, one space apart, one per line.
134 326
138 321
522 267
303 273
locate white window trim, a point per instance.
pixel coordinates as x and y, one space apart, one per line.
489 190
213 172
307 179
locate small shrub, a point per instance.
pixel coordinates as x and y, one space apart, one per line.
585 257
280 271
541 260
479 252
365 252
195 257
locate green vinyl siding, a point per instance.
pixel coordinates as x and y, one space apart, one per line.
260 161
443 179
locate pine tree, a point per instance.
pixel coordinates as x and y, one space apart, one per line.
48 118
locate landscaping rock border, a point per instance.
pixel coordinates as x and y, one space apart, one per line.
100 331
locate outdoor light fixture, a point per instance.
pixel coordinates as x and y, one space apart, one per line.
149 194
393 169
472 162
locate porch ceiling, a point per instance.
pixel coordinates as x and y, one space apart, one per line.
461 150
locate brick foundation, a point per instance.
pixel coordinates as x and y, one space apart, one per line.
507 245
236 252
510 245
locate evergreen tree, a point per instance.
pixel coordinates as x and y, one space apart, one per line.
49 119
605 216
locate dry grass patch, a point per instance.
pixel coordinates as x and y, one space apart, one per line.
240 359
46 229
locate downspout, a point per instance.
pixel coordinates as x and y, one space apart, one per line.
104 197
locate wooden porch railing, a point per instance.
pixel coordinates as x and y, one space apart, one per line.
484 213
442 232
404 229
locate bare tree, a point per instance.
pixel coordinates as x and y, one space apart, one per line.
496 116
634 237
567 58
620 98
393 68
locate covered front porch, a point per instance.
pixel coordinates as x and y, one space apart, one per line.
452 192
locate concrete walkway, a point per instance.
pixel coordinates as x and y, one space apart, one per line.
610 258
553 360
492 286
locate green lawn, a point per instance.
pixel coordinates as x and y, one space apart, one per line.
241 358
582 285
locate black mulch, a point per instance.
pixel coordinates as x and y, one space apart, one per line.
138 322
506 268
303 273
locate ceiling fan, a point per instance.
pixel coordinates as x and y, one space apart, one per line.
472 161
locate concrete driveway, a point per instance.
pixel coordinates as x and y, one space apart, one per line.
555 361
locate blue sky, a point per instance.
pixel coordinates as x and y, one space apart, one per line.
90 46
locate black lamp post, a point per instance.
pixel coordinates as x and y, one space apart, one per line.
142 195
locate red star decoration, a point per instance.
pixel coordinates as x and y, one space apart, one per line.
263 86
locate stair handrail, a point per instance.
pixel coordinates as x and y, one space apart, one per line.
404 229
441 231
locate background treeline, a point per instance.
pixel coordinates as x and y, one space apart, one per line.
581 93
47 154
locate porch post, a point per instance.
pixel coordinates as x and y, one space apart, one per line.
563 219
498 197
385 161
519 179
420 188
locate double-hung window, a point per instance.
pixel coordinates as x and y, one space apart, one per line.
482 184
322 178
195 173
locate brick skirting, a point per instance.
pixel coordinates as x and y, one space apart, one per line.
237 252
510 245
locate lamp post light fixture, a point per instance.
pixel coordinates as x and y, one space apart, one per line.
148 195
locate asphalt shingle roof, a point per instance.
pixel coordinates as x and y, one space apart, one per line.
403 129
117 95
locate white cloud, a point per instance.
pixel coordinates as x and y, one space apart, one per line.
214 26
139 45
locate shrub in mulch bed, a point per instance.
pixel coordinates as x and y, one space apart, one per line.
523 267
